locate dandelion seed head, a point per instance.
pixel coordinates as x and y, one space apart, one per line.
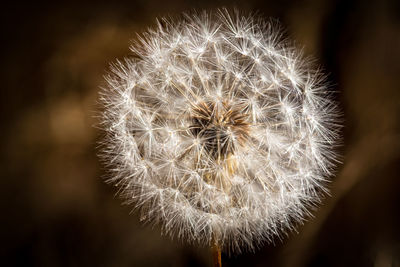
218 130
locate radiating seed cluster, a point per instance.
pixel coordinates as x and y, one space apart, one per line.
218 130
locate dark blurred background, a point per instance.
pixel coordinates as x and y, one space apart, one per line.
57 211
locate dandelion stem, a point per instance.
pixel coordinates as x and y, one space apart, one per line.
216 253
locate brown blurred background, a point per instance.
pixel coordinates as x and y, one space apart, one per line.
57 211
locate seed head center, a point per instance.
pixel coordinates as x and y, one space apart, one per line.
221 126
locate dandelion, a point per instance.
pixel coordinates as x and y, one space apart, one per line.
218 130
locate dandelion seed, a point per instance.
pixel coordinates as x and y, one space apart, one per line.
218 131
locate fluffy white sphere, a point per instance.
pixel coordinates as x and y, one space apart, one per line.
218 130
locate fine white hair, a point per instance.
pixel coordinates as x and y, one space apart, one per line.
218 130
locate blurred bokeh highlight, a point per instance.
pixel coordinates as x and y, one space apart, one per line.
56 209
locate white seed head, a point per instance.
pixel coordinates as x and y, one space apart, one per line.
218 130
